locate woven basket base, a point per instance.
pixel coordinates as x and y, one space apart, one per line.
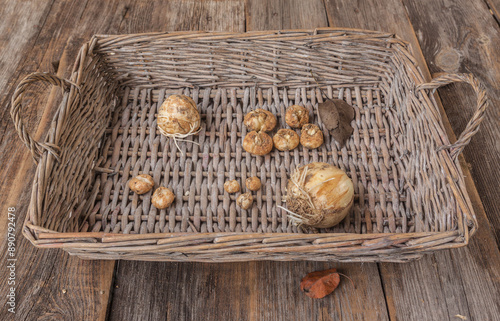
197 172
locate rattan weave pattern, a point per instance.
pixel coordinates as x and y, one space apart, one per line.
197 172
409 193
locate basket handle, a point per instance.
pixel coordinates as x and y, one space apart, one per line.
35 147
481 104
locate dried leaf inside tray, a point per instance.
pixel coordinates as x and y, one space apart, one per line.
337 115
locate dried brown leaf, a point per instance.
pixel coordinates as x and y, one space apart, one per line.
319 284
337 115
328 114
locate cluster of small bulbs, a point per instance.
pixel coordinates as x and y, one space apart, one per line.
319 194
259 121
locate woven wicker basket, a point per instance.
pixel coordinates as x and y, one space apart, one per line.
410 196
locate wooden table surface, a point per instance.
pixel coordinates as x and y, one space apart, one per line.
461 284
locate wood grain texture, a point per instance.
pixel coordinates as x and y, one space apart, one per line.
29 26
494 6
246 291
211 15
462 36
417 285
25 18
363 301
441 286
161 290
283 14
412 289
344 304
466 39
241 291
43 275
182 291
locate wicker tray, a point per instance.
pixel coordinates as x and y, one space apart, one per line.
410 196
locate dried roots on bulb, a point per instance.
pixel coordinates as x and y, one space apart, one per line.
180 137
178 118
319 195
302 199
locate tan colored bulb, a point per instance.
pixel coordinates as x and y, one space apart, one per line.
319 195
162 198
245 201
141 184
260 120
253 183
296 116
178 116
286 139
311 136
257 143
232 186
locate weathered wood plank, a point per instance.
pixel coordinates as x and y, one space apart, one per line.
211 15
50 283
183 291
280 298
244 291
412 289
469 42
366 302
462 36
25 19
20 27
461 278
494 6
463 282
283 14
415 290
241 291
